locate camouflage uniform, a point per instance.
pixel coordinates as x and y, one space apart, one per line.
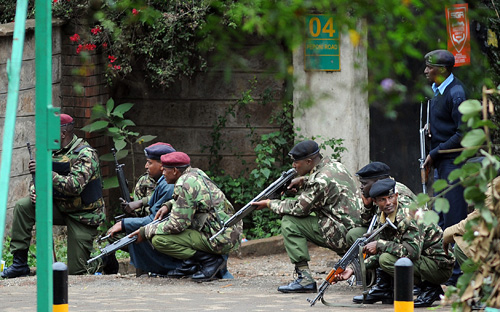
143 190
434 264
406 197
198 210
78 203
323 213
393 244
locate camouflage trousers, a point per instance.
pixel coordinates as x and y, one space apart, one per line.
182 245
297 231
424 269
80 236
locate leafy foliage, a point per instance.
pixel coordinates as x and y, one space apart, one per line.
477 285
271 160
109 120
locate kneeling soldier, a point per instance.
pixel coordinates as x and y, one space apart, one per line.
324 211
421 244
197 211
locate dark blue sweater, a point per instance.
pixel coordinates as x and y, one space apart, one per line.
445 120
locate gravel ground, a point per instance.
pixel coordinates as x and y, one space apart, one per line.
253 289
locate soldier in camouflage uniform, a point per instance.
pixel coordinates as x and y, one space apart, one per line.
196 212
143 256
368 175
421 244
78 204
325 210
143 190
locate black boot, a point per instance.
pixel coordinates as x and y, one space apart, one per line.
303 284
19 265
188 267
110 264
429 294
383 290
210 264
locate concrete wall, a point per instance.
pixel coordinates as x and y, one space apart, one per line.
183 115
25 122
340 107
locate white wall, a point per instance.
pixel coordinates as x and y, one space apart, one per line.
340 107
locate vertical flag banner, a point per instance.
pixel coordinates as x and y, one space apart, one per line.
457 24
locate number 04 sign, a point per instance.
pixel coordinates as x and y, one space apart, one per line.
322 48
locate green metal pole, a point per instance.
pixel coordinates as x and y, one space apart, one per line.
47 139
13 74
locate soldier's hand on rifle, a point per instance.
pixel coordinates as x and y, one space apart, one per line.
116 228
295 184
428 162
344 275
261 204
130 207
32 166
370 248
33 196
137 233
162 212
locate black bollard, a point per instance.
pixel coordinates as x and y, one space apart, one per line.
403 285
60 287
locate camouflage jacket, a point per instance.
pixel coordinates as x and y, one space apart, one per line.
200 205
77 185
405 198
143 190
329 192
406 241
433 246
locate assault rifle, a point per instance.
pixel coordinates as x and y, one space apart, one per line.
119 243
122 181
351 255
283 180
424 130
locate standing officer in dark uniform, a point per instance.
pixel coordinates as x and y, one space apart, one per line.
445 121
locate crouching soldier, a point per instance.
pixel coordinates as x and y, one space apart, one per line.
196 212
421 244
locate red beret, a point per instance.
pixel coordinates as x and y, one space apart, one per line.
175 159
66 119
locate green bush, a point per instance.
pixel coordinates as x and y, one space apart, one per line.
271 150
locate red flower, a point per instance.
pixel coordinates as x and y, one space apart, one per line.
104 45
74 38
89 47
79 49
117 67
111 58
96 30
135 12
55 1
109 65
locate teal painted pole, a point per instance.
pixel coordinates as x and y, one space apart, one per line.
13 75
47 138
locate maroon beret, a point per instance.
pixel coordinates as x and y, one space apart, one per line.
154 151
175 159
66 119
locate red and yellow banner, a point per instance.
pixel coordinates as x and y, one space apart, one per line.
457 24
